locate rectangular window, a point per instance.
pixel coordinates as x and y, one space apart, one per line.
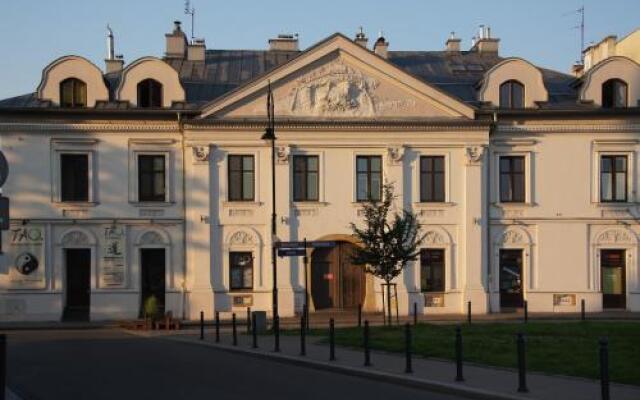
368 178
432 270
151 177
432 179
74 177
613 178
305 178
241 270
241 178
512 181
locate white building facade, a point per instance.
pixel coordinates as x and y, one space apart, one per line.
153 180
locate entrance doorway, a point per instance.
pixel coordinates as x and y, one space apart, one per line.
78 284
613 278
335 281
152 264
511 295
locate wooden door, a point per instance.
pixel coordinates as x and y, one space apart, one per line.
352 278
613 278
78 284
511 294
335 282
152 278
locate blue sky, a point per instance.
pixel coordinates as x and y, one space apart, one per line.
36 32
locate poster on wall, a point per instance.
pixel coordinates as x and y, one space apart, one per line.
113 257
25 257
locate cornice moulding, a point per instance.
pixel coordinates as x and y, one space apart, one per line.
631 128
128 126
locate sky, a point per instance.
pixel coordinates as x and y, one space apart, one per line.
35 32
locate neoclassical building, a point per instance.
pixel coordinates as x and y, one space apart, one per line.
152 179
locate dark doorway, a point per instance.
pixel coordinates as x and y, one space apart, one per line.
511 295
613 279
78 284
152 283
335 282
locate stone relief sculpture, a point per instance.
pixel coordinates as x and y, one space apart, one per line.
512 237
395 154
151 238
614 236
200 153
282 154
242 238
433 237
474 153
75 238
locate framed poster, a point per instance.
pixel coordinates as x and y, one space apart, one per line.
26 257
113 272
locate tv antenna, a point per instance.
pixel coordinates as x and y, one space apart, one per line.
580 13
188 10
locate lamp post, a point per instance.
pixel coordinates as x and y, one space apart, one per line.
270 135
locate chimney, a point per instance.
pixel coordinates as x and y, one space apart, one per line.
176 42
361 39
577 70
484 43
381 47
452 44
196 50
113 63
284 42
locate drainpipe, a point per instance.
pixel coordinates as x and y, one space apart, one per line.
184 217
492 128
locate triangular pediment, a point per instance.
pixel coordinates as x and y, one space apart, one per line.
339 79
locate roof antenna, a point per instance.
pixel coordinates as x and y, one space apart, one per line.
580 13
110 46
188 10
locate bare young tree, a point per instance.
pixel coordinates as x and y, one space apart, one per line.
387 242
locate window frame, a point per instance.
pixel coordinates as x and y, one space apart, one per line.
444 174
244 287
369 173
73 146
610 103
305 173
443 287
152 172
242 172
149 82
511 83
87 196
613 174
511 174
74 102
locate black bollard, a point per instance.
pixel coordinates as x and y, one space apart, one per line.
408 369
306 317
249 321
276 333
522 364
367 355
254 331
235 330
303 336
332 340
459 376
359 315
526 311
201 325
3 365
468 312
604 369
217 326
415 313
582 314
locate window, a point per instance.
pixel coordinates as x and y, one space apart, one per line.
241 270
151 177
305 178
432 270
512 183
73 93
432 179
613 178
614 94
241 178
74 177
369 178
149 93
512 94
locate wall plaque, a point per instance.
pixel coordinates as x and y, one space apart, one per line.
434 300
564 299
113 257
26 258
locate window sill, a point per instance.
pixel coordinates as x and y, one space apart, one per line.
241 204
435 204
84 204
152 203
513 205
614 204
309 204
240 291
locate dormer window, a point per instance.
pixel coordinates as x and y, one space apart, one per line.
512 94
149 93
614 94
73 93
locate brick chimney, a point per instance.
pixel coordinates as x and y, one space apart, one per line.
361 39
196 50
285 42
452 44
484 43
381 47
176 42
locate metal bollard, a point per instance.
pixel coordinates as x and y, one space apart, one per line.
526 312
217 326
332 340
415 313
3 365
303 330
276 333
468 312
459 376
235 330
367 354
522 364
582 307
359 315
408 369
249 320
254 331
306 317
604 369
201 325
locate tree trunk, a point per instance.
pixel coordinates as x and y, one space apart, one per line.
389 302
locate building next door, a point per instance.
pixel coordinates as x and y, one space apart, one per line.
152 264
511 294
335 281
613 279
78 284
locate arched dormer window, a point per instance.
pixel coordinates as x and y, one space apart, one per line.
512 94
73 93
614 94
149 93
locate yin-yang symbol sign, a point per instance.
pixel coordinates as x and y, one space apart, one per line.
26 263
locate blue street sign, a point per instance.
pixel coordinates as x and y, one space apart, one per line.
291 252
310 244
321 243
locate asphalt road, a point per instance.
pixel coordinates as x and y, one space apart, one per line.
109 364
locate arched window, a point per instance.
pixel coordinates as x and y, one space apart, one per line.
512 94
149 93
73 93
614 94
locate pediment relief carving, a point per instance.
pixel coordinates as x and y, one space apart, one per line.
75 238
615 236
242 238
151 238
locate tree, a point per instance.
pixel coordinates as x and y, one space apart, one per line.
388 242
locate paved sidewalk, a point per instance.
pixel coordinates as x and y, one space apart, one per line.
480 382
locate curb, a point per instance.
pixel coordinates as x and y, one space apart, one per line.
436 386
